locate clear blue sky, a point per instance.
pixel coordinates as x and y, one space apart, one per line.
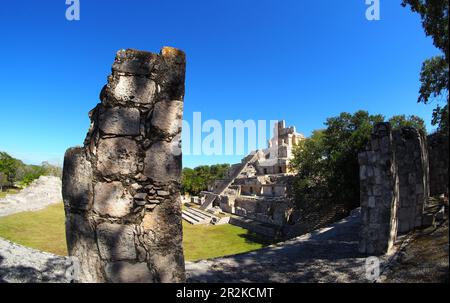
298 60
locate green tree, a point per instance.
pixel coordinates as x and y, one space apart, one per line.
18 172
3 180
9 166
434 76
327 162
31 173
400 121
196 180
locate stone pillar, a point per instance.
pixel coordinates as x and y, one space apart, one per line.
412 162
379 192
439 162
122 189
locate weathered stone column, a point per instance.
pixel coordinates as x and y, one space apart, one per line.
379 192
412 163
122 189
439 161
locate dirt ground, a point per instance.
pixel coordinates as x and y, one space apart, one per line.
425 259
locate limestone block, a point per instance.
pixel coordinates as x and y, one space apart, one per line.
164 224
111 199
120 121
385 144
77 176
375 144
150 221
116 242
117 156
134 62
163 161
362 172
169 266
125 272
362 158
377 190
167 116
136 89
371 202
372 157
81 244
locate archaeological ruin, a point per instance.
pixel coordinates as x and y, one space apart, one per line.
395 179
439 162
121 190
379 192
255 190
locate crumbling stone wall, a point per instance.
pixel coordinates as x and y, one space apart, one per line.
412 162
271 211
122 189
394 178
438 155
379 192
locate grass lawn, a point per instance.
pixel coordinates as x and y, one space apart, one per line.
44 230
205 241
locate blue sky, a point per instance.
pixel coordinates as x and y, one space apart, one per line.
298 60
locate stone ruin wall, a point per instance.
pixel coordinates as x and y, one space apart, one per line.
439 163
121 189
271 211
379 192
394 178
412 162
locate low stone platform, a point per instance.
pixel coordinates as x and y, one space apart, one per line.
264 229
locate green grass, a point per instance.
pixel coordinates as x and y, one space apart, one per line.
44 230
205 241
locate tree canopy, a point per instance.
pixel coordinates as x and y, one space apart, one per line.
15 172
327 162
197 179
434 76
400 121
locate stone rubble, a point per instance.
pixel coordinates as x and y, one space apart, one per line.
42 192
19 264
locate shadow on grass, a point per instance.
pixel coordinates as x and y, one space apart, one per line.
251 238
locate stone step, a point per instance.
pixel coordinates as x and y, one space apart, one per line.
203 213
189 212
190 220
193 218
